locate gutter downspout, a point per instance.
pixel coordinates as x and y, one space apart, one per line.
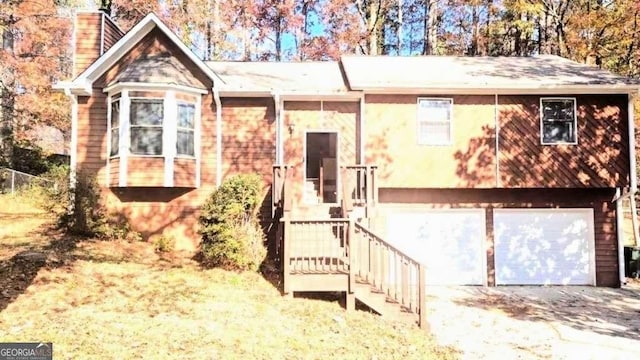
216 98
633 171
633 189
619 225
278 104
362 121
633 181
496 115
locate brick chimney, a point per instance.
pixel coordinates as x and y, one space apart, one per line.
94 33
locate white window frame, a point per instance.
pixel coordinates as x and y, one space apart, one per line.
163 126
575 120
192 130
420 120
113 99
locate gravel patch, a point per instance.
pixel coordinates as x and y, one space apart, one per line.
526 322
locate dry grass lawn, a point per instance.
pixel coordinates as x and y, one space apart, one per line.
118 300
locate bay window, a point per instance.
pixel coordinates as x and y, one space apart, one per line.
153 126
153 135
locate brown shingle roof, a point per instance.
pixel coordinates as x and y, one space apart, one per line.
312 76
472 72
158 69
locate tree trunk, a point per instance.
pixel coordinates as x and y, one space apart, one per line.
279 37
303 33
517 40
487 28
209 52
246 36
372 27
475 32
430 27
399 27
543 33
217 35
559 38
7 102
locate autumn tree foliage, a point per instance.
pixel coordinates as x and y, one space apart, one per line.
36 37
36 52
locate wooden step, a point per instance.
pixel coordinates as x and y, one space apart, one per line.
382 305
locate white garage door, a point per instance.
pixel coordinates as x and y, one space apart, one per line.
450 243
544 246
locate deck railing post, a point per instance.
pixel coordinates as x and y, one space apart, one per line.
287 197
275 190
422 298
369 185
374 185
384 279
286 260
351 239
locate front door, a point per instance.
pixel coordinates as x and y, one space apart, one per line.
321 168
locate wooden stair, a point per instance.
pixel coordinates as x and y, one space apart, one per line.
324 251
383 305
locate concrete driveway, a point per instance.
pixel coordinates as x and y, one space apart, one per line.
525 322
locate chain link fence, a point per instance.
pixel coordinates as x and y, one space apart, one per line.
13 180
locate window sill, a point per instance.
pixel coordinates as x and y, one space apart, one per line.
558 143
144 156
436 144
187 157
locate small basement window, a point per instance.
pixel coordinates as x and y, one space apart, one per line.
434 121
558 122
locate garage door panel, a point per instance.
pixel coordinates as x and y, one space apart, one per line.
543 246
449 243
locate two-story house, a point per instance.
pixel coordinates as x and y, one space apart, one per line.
392 171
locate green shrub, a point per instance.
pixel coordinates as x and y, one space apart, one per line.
164 244
231 234
80 210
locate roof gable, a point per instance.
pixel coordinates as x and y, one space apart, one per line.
85 80
162 68
155 60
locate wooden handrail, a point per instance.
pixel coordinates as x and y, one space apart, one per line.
389 270
359 184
